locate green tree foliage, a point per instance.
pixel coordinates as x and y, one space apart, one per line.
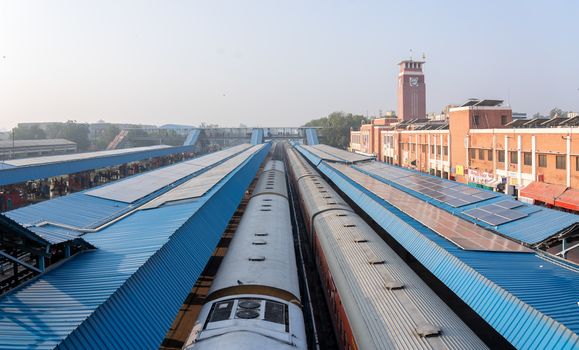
72 131
557 112
335 128
29 133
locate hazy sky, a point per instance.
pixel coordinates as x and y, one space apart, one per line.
276 63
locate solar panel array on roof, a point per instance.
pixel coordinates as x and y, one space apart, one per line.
460 232
199 185
147 183
497 213
443 191
321 154
342 154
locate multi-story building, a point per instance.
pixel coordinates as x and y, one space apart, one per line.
480 142
481 145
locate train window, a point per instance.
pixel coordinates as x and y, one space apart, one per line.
275 312
221 311
267 200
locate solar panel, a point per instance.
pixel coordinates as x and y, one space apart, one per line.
147 183
201 184
495 220
509 204
448 192
496 214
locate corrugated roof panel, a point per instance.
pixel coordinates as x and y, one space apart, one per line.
77 209
112 297
44 170
78 156
542 293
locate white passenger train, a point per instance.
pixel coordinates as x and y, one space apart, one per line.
254 301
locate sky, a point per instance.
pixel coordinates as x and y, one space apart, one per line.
276 63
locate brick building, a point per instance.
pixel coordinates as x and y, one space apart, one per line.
480 144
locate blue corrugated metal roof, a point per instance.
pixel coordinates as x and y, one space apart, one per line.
530 299
77 209
540 224
312 136
256 136
192 137
84 211
126 293
20 174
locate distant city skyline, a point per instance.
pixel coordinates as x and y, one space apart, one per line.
263 63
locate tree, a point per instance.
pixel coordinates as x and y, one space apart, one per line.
557 112
72 131
335 128
33 132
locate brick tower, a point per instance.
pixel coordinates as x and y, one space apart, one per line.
411 90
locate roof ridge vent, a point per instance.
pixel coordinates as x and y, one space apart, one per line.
394 285
256 258
428 330
376 261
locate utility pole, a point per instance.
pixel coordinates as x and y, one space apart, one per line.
12 153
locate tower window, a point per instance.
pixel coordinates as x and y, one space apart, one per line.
503 119
476 120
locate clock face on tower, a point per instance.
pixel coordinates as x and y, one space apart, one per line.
413 81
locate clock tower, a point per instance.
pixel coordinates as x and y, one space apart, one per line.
411 91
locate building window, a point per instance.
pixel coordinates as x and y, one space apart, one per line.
472 153
501 156
560 162
438 150
432 149
490 154
413 147
514 155
503 119
476 120
424 148
445 148
527 158
542 160
577 163
481 154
